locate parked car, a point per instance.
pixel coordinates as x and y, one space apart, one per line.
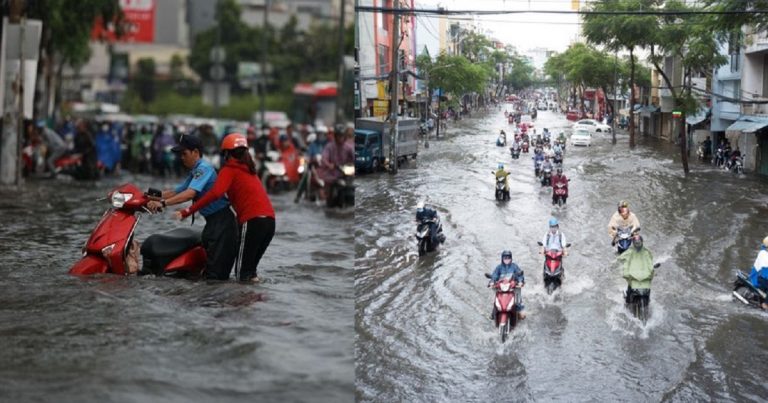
581 137
592 125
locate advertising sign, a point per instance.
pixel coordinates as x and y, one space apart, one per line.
139 23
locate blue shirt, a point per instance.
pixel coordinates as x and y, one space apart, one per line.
201 179
511 269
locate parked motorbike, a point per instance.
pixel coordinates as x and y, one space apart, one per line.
623 238
342 193
424 235
502 194
560 193
638 299
505 302
746 293
553 268
178 252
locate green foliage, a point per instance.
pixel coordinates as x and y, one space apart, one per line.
177 63
455 74
521 75
294 55
144 81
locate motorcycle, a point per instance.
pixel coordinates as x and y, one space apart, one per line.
638 299
719 159
525 147
274 177
505 302
553 268
424 236
546 176
558 158
111 246
745 292
502 194
342 192
560 193
501 141
735 165
623 238
702 152
515 151
537 167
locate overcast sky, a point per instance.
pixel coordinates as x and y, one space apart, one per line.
525 31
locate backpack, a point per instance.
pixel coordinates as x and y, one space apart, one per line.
560 239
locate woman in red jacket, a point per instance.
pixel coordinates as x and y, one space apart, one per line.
239 181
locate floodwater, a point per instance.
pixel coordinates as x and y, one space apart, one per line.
423 332
137 339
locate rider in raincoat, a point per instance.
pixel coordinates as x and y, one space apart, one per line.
638 265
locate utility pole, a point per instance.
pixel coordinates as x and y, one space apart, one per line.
262 101
615 98
340 83
394 78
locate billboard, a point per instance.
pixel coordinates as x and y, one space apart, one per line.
139 23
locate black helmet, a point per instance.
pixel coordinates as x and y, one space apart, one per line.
637 241
506 253
559 170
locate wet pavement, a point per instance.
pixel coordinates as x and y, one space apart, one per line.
422 325
118 339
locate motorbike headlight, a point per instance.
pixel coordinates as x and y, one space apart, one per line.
119 199
107 250
349 170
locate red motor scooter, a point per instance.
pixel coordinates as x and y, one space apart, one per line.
505 303
559 193
177 252
553 268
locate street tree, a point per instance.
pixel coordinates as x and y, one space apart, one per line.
622 32
144 80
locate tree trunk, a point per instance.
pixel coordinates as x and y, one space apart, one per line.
684 134
631 98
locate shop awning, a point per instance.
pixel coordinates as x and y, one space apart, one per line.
748 124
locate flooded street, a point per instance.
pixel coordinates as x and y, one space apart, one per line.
116 339
423 332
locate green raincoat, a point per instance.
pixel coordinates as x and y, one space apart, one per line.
638 267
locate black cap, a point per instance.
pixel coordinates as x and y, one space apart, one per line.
188 142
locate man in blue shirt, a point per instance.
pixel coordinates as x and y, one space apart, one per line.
509 269
220 232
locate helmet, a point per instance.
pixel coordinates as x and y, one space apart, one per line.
506 253
559 170
623 204
638 242
553 222
338 129
420 206
501 166
233 141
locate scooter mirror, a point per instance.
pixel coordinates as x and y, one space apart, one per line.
567 245
540 244
656 266
487 275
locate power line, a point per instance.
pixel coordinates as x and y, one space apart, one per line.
442 11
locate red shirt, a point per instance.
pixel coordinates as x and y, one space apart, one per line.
243 189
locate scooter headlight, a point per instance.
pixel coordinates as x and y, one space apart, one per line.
119 199
107 250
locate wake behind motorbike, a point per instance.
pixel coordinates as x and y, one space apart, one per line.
505 304
553 268
623 238
638 299
424 234
111 246
745 292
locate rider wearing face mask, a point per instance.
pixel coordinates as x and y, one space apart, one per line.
622 218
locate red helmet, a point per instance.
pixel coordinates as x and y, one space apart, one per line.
232 141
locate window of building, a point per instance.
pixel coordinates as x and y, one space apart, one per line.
383 65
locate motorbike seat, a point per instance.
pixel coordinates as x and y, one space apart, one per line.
171 243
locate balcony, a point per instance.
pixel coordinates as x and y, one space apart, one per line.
755 109
756 43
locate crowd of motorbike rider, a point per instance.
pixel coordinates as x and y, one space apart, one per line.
90 148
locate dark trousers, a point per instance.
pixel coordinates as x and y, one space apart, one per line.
255 236
220 242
